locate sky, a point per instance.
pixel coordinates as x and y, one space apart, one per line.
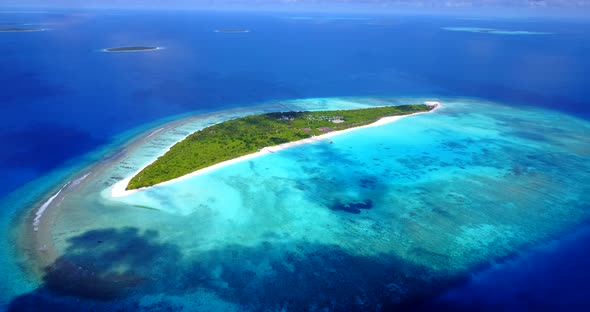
293 3
482 7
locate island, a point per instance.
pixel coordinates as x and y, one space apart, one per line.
495 31
247 135
232 31
20 29
132 49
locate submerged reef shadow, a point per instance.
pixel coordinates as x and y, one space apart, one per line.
329 184
114 269
100 266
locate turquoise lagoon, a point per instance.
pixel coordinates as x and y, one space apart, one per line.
384 217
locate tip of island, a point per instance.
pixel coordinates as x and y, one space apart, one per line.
132 49
246 137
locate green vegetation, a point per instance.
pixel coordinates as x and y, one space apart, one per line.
146 207
247 135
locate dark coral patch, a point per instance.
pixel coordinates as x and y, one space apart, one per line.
353 207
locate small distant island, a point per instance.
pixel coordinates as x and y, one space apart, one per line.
232 30
247 135
495 31
20 29
131 49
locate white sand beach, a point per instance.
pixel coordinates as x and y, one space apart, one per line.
118 189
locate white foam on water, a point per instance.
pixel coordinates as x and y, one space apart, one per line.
39 213
77 181
154 132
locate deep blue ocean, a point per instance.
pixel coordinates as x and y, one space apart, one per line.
61 97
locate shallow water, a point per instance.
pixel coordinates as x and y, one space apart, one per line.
383 217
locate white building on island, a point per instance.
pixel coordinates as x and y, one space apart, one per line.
432 103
